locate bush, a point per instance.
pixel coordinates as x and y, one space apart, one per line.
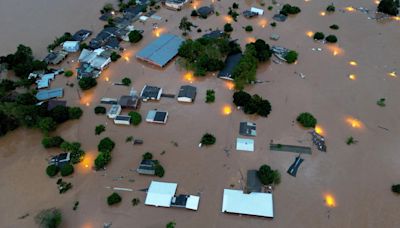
210 96
99 129
59 114
331 39
87 83
46 124
396 188
319 36
334 27
102 160
135 36
126 81
241 98
330 8
52 170
273 24
49 142
74 113
49 218
350 140
106 144
135 201
171 225
147 156
291 57
100 110
307 120
235 5
67 170
136 118
159 170
381 102
248 28
115 56
228 27
389 7
268 176
194 13
68 73
113 199
208 139
288 9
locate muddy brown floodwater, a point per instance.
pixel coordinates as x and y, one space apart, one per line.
357 177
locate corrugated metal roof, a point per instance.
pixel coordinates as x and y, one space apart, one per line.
161 50
49 94
160 194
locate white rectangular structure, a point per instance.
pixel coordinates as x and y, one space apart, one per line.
114 111
71 46
160 194
192 202
255 203
257 10
122 119
245 144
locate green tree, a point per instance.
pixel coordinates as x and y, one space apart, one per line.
87 83
318 36
330 8
68 73
159 170
396 188
171 225
66 170
99 129
102 159
291 57
106 144
46 125
241 98
60 114
114 56
331 39
228 27
136 118
307 120
194 13
334 27
74 113
52 170
147 156
210 96
49 142
114 198
268 176
135 36
100 110
185 25
126 81
26 99
248 28
49 218
208 139
389 7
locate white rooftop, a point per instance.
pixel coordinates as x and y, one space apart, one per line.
255 203
193 202
257 10
245 144
160 194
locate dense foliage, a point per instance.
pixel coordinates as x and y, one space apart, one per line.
49 142
135 36
147 156
331 39
389 7
74 148
307 120
396 188
59 40
319 36
87 83
106 144
52 170
100 110
99 129
208 139
49 218
126 81
136 118
210 96
252 104
114 199
289 9
330 8
105 147
291 56
228 27
268 176
66 170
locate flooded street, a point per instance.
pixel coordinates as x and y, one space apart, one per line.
358 177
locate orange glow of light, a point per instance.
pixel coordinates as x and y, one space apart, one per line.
86 99
352 77
353 63
107 79
126 58
228 19
263 23
87 104
195 4
158 31
397 18
250 39
86 164
376 2
330 200
230 85
306 0
392 74
87 225
188 77
354 123
227 110
310 34
322 13
318 129
350 9
335 50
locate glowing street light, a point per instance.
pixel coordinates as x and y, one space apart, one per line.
319 130
230 85
352 77
310 34
227 110
353 63
322 13
350 9
392 74
354 123
330 200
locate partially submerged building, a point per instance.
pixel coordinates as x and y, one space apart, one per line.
60 160
175 4
92 62
155 116
55 57
247 129
114 111
51 104
230 62
151 93
161 51
254 203
129 102
162 194
187 93
147 167
122 119
205 11
245 144
71 46
48 94
253 183
215 34
81 35
44 81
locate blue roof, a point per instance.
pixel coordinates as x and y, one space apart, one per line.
49 94
161 50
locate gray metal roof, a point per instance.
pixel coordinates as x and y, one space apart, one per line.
161 50
187 91
247 129
230 63
49 94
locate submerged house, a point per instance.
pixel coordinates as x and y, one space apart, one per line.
255 203
122 119
247 129
230 62
162 194
129 102
48 94
60 160
81 35
161 51
114 111
187 93
151 93
71 46
92 62
147 167
175 4
155 116
55 57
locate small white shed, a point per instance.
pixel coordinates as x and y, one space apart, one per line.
257 10
114 111
122 119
